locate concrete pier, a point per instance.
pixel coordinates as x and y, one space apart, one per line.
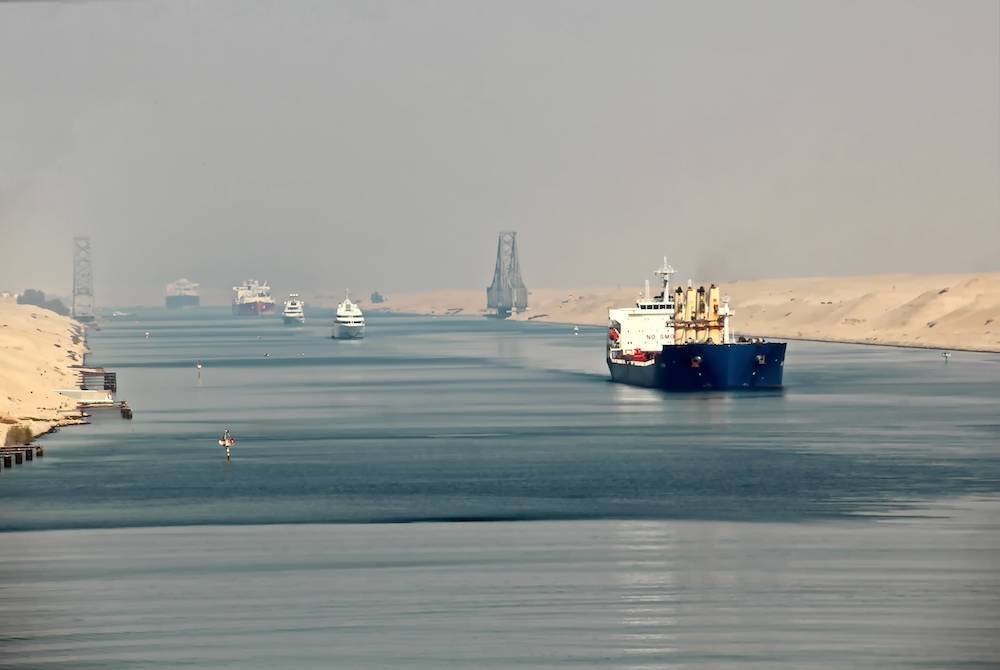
11 456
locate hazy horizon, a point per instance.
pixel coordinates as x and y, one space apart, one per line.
321 146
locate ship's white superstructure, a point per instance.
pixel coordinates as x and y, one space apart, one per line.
182 293
349 323
252 298
294 312
182 287
689 316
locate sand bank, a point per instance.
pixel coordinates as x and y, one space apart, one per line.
37 349
954 311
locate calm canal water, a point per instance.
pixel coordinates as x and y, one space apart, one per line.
473 493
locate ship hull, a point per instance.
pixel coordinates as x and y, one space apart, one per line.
341 332
697 367
293 320
179 301
253 308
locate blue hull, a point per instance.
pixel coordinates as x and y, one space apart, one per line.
177 301
696 367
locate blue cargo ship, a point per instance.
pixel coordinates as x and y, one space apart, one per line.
182 293
683 341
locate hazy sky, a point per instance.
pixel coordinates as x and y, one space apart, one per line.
323 145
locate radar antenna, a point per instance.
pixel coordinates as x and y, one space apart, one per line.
665 272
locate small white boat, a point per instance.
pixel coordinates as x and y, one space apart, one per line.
294 312
349 323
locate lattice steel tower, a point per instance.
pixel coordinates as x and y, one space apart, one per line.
507 292
83 281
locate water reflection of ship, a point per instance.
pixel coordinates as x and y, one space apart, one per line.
647 611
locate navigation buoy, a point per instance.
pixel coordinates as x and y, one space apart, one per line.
227 441
199 365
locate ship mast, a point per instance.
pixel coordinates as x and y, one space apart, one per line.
665 272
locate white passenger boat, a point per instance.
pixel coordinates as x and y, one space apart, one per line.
294 312
350 322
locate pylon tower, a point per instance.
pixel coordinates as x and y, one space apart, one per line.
507 293
83 281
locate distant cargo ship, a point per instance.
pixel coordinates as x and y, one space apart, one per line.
684 342
182 293
294 312
253 298
350 322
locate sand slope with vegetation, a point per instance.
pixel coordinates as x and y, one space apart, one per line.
947 311
37 349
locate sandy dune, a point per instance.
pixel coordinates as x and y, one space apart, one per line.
959 311
940 311
37 348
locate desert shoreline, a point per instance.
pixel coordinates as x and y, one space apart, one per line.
953 312
859 343
40 352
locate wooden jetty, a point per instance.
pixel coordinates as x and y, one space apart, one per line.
97 379
95 390
120 405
